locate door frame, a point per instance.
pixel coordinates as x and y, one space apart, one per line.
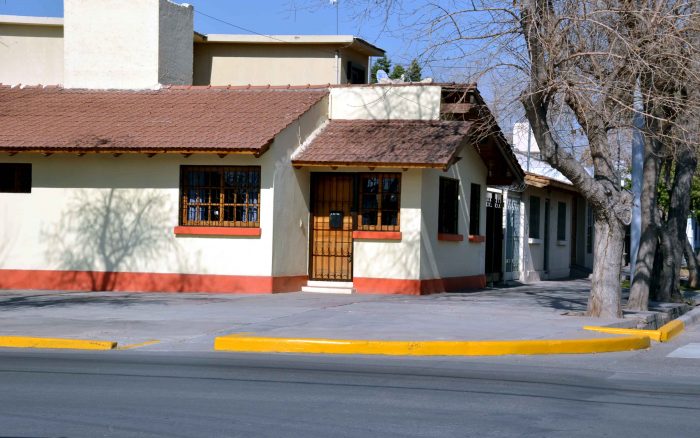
314 176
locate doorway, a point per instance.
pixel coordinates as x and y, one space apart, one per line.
494 237
332 223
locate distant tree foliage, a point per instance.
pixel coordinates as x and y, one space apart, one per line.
414 73
382 63
411 74
398 72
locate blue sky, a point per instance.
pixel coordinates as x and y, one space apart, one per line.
260 16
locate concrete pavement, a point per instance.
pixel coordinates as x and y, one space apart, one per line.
191 322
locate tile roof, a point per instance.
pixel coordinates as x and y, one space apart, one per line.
171 119
409 143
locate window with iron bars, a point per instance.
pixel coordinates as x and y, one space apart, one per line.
220 196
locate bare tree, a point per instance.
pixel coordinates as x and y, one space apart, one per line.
582 62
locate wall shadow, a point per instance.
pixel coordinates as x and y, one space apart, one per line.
103 235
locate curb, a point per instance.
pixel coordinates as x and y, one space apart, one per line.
254 344
54 343
663 334
690 318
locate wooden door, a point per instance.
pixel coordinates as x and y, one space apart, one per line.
331 226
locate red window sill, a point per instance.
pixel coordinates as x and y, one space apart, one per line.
216 231
377 235
477 239
450 237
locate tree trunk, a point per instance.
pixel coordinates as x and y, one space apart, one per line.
667 265
692 264
686 162
639 290
606 291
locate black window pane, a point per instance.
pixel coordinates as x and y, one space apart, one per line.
15 177
561 221
390 217
369 218
474 209
448 206
534 217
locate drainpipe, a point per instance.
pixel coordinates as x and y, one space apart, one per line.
337 67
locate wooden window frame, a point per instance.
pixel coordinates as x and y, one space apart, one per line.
15 178
448 209
222 204
534 225
379 209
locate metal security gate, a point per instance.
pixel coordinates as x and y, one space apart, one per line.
513 237
494 236
331 226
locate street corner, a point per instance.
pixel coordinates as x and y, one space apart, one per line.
663 334
260 344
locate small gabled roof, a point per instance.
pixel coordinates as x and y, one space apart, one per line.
174 119
385 143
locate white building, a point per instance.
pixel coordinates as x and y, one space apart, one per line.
129 178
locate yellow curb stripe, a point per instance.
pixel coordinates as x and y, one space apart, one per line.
652 334
663 334
140 344
237 343
671 330
73 344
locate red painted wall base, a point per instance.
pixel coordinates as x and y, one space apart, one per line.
417 287
147 282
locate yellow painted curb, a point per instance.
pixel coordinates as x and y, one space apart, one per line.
140 344
73 344
662 334
253 344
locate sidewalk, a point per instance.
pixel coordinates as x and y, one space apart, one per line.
191 322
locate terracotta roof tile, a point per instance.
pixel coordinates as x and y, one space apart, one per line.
193 119
412 143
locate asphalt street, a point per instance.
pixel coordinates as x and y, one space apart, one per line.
148 394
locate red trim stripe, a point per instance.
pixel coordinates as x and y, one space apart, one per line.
451 237
147 282
417 287
377 235
216 231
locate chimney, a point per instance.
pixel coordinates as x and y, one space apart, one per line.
127 44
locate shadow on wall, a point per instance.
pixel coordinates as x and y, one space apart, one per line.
104 234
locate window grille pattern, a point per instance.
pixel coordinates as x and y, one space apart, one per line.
380 200
448 202
220 196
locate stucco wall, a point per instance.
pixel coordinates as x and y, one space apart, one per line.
116 44
31 55
57 226
291 195
533 249
175 44
444 259
410 102
263 64
390 258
